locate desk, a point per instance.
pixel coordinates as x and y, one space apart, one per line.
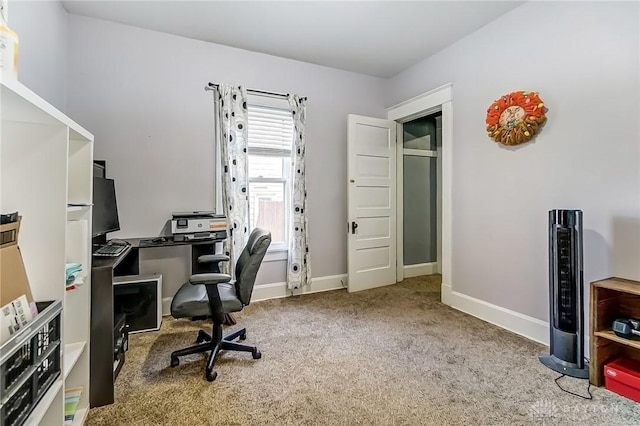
130 264
103 269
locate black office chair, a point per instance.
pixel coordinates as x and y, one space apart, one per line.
214 295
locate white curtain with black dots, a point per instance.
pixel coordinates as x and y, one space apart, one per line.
232 110
298 264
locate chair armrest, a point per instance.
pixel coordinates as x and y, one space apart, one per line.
211 278
211 281
208 258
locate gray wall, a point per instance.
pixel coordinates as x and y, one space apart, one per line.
42 62
583 59
141 93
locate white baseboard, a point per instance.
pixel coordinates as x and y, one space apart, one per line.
524 325
279 290
445 294
166 306
420 269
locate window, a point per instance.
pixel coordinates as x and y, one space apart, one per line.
270 143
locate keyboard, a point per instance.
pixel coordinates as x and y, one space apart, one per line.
111 249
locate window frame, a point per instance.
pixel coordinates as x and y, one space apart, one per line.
279 250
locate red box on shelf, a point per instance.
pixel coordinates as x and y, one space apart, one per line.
622 376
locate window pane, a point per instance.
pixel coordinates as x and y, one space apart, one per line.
267 208
266 167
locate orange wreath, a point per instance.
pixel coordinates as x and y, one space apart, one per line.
515 118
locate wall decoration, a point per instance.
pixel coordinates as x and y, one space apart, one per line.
515 118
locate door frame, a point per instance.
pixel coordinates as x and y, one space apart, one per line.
439 99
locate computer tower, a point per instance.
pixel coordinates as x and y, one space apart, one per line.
139 297
566 295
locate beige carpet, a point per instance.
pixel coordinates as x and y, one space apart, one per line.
389 356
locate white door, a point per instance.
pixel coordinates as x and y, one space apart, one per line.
371 174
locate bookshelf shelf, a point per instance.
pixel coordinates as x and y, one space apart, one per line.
610 335
21 104
80 417
72 352
78 212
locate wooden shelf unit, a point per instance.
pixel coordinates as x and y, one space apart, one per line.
611 299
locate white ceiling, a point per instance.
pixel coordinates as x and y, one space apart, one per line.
379 38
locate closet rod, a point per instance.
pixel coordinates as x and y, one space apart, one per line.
213 86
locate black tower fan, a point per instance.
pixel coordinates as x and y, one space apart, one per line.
566 342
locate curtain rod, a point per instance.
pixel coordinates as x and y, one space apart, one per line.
213 86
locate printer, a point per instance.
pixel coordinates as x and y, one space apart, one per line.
198 225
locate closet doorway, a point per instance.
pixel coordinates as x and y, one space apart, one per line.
421 182
436 102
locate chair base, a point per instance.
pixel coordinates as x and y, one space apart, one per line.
214 343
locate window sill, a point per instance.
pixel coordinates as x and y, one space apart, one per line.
276 255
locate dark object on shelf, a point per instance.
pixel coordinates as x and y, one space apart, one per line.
626 327
8 218
622 376
566 310
29 364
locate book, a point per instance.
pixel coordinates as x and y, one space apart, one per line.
71 401
14 317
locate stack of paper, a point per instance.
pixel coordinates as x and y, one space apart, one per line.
71 400
74 278
14 317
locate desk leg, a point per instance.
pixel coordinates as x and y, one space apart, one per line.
198 250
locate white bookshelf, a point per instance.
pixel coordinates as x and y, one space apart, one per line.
49 409
81 416
72 353
46 175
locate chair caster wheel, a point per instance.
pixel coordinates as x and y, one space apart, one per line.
175 362
211 375
243 336
256 354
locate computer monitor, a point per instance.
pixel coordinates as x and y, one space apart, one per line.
105 208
